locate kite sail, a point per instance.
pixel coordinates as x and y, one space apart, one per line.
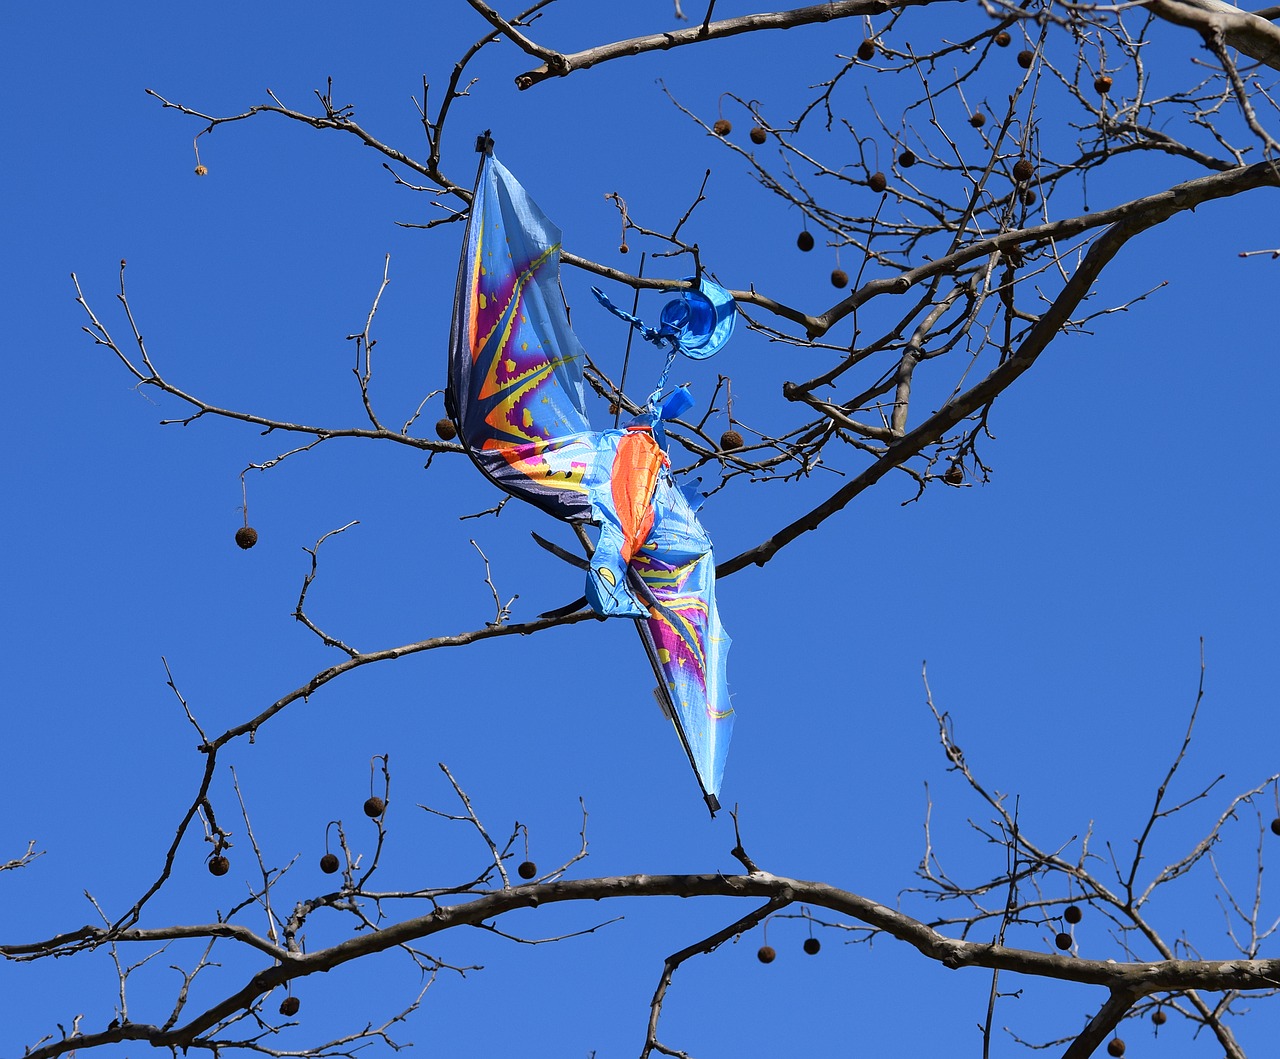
516 396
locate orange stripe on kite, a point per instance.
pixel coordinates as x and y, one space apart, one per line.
633 480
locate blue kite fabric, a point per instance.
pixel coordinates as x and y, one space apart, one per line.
516 396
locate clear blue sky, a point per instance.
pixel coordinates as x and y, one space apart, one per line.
1131 512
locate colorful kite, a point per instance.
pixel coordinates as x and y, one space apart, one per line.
516 396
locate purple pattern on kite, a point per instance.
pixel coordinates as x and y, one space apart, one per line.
515 367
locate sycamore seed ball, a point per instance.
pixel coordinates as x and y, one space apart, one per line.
289 1006
766 954
527 869
722 127
374 807
219 865
877 182
445 430
839 277
1063 941
246 536
812 945
758 135
329 864
1115 1047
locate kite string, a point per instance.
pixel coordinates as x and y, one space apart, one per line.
626 356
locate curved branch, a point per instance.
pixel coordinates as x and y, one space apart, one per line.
1245 31
335 120
147 375
706 945
1127 980
1129 220
404 650
97 935
556 64
1106 1020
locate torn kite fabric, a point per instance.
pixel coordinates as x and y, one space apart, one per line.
516 395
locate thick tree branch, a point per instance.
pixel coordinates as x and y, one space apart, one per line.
1127 980
1106 1020
1129 220
559 65
1245 31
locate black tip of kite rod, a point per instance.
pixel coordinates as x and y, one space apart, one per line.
713 803
484 143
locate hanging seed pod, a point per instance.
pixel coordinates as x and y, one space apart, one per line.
246 537
1159 1017
329 864
812 946
877 182
1029 197
1003 39
1026 58
219 865
1115 1047
867 50
839 278
954 474
289 1006
374 807
1102 84
907 159
202 170
445 430
766 954
730 440
527 869
805 240
757 134
1063 941
722 127
1023 169
977 119
1072 914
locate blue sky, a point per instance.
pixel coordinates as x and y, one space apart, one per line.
1059 607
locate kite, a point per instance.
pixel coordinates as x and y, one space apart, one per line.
515 394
